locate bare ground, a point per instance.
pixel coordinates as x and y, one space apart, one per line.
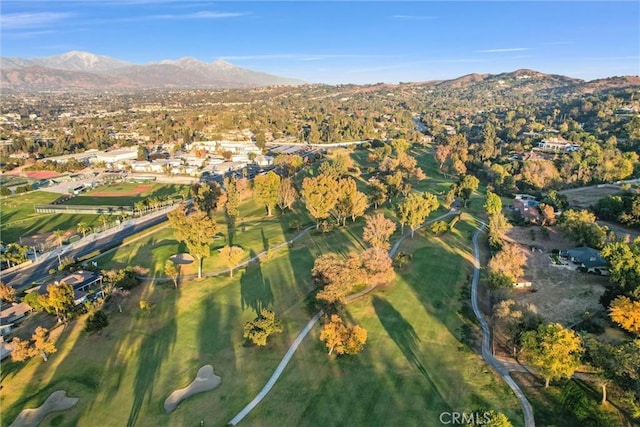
560 294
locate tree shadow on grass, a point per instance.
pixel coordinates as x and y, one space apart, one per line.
402 333
255 290
231 229
154 349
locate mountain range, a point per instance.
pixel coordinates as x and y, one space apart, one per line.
78 71
85 71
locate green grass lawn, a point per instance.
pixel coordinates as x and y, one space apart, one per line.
156 191
413 367
18 217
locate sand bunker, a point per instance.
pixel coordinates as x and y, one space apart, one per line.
205 381
57 401
182 258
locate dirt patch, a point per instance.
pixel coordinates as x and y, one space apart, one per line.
142 188
587 196
560 294
45 240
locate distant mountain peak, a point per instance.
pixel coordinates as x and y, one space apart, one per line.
221 63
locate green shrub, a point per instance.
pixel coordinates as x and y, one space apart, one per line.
96 321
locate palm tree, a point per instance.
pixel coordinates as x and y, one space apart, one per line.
139 207
104 219
83 228
59 235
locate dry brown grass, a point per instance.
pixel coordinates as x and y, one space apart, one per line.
559 293
587 196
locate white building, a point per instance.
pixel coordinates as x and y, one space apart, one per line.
115 156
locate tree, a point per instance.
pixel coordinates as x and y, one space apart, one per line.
378 193
581 227
42 344
287 194
466 186
320 195
416 208
233 197
172 270
59 299
59 235
493 204
83 228
95 321
626 313
488 147
337 276
554 351
21 350
259 329
441 154
196 231
624 265
378 230
377 266
498 225
351 202
540 174
508 262
342 339
206 196
232 255
548 214
439 227
266 189
7 293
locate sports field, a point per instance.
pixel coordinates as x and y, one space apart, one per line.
127 194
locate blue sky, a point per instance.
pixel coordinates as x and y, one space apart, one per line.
340 42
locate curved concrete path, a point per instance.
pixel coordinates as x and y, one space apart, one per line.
500 367
292 349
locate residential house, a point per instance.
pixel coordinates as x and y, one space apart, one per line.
557 145
587 258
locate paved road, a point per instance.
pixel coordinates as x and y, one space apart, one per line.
487 354
23 278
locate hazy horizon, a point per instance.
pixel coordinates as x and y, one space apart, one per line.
340 42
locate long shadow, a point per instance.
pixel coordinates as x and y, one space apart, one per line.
401 332
231 229
154 349
265 241
255 290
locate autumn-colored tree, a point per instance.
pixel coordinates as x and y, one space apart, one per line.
337 276
42 344
59 299
378 266
266 189
553 350
441 154
21 350
7 293
290 163
416 208
342 339
378 230
509 262
196 231
548 214
232 255
172 270
287 194
540 173
439 227
320 195
378 193
259 329
401 146
626 313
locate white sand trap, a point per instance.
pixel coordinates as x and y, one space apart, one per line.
57 401
205 381
182 258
